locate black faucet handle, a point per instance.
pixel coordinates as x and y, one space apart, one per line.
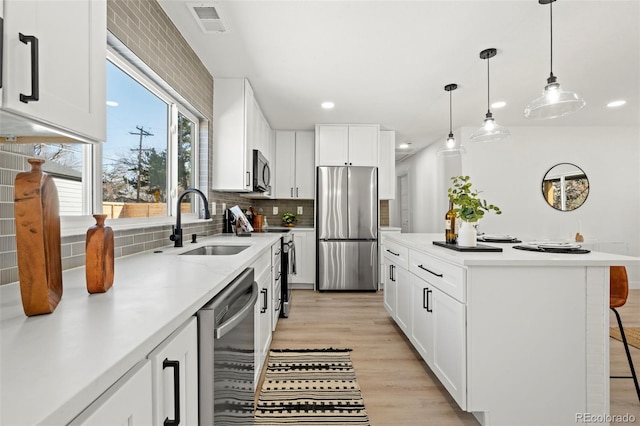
172 237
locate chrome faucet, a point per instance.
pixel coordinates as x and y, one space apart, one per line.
176 236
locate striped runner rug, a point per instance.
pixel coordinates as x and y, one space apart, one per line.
310 387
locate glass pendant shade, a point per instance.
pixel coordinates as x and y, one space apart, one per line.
490 130
451 146
553 102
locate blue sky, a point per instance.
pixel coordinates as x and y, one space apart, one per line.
136 106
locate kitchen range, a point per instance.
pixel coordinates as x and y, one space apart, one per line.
287 268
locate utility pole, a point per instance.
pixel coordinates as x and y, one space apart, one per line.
141 132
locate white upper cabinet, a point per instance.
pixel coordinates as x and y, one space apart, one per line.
294 164
239 127
387 165
54 69
347 145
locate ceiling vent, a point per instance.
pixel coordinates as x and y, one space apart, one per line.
208 18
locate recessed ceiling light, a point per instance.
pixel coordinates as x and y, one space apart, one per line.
327 105
498 104
112 103
614 104
404 145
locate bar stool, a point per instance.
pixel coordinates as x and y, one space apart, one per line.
618 293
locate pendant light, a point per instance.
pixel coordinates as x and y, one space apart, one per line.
451 146
490 130
554 102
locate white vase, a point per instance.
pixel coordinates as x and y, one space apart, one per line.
467 235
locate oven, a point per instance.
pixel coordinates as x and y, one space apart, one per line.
288 269
261 172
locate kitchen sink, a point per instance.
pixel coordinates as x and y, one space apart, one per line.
217 250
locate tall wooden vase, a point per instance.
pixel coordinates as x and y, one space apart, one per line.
37 218
99 256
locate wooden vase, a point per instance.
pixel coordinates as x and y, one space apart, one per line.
37 218
99 256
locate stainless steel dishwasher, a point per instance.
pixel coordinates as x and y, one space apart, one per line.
226 354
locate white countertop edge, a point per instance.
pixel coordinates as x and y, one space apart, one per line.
508 256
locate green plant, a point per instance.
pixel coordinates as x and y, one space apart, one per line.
289 218
469 207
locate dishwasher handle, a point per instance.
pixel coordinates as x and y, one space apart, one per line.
228 325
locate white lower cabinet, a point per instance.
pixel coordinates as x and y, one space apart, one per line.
390 288
162 389
438 332
127 402
175 377
262 313
305 242
419 294
402 278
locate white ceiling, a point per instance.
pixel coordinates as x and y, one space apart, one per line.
387 62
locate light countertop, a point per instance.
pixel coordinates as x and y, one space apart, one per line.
53 366
509 256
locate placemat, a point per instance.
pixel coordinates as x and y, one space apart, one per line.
553 250
477 248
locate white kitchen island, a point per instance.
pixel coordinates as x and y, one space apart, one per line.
516 337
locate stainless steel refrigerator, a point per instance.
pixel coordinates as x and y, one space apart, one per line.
347 228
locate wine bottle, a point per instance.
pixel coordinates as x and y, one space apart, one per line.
450 225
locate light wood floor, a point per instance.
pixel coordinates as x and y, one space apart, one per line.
397 386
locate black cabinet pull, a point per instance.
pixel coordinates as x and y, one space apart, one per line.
35 86
176 391
264 291
1 51
425 299
297 192
292 192
431 272
249 179
395 254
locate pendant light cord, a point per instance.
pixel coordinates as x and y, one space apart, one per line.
450 113
488 88
551 38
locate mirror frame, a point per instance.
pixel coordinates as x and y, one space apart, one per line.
546 187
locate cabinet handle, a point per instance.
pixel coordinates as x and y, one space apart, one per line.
1 44
264 291
292 192
425 299
431 272
297 194
35 87
249 179
395 254
176 391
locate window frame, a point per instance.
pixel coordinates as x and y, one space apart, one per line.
126 61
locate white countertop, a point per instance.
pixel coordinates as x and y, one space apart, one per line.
509 256
53 366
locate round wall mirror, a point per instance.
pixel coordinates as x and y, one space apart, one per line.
565 187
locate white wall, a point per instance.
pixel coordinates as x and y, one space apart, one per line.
510 175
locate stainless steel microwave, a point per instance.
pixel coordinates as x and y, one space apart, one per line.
261 172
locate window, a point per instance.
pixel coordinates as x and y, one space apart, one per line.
65 163
151 150
134 158
149 158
